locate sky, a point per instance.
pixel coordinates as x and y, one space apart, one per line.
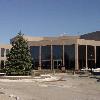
48 17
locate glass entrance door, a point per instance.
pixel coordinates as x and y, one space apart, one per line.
57 64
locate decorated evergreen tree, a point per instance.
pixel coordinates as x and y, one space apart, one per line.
19 59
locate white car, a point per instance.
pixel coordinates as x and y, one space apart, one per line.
96 70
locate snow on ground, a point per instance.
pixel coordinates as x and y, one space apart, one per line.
71 88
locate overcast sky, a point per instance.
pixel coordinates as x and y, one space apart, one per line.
48 17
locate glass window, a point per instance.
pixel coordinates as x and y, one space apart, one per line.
35 52
7 51
46 57
2 64
98 56
35 55
46 64
69 56
2 52
46 52
90 56
82 56
90 50
57 52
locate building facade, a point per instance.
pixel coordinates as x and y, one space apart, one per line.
4 50
71 52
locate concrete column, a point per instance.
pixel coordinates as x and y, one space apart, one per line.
86 58
76 57
40 57
95 54
51 58
63 56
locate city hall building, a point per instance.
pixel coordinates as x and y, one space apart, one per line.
71 52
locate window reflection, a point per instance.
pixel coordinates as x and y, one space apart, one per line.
46 64
7 52
46 52
46 57
2 64
35 56
90 56
57 56
57 52
69 56
2 52
98 56
82 56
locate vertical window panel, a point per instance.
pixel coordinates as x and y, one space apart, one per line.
69 56
2 52
35 56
